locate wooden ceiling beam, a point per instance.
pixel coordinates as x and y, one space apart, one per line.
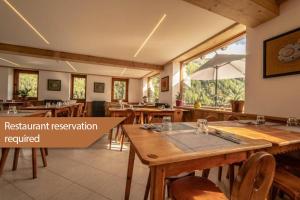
74 57
248 12
216 41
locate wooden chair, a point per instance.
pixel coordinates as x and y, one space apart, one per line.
286 182
84 111
168 181
211 118
252 183
79 110
130 117
44 153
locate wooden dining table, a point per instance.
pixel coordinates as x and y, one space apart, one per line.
20 113
171 152
55 110
147 114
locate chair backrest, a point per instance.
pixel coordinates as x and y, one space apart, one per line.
130 117
255 178
79 110
48 114
232 118
211 118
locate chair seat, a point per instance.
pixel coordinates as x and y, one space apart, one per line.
287 182
196 188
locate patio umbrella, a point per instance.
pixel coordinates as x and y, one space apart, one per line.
221 66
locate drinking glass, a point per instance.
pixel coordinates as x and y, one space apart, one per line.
292 121
260 119
202 126
48 104
131 107
163 107
167 123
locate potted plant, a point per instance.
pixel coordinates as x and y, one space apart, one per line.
179 101
237 105
24 93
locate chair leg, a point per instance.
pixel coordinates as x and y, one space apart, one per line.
110 137
122 140
220 173
43 154
205 173
231 177
46 151
147 191
3 159
16 159
34 165
117 133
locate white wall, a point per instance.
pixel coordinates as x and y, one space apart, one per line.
6 83
173 71
91 96
278 96
43 92
135 92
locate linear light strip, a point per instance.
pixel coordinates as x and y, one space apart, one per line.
151 33
70 65
11 62
26 21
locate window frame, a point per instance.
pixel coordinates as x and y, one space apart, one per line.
73 76
112 88
16 83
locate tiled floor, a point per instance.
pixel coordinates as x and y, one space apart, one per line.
94 173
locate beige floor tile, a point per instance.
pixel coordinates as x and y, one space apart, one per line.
9 192
72 192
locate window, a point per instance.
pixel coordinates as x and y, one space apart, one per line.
153 88
26 84
204 87
78 87
119 89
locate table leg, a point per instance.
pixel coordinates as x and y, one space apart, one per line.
129 172
3 159
157 188
142 118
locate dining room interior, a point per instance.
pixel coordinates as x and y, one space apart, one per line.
207 92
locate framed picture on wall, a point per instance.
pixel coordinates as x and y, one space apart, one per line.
54 85
99 87
164 84
282 55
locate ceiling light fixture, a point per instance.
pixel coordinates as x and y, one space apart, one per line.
11 62
26 21
151 33
70 65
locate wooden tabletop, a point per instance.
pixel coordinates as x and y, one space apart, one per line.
52 107
23 113
157 148
112 109
274 133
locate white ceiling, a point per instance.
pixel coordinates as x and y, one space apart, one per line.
109 28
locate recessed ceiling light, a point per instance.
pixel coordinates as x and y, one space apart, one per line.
11 62
70 65
26 21
151 33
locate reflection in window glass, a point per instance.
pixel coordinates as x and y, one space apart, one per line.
119 90
28 83
153 88
79 87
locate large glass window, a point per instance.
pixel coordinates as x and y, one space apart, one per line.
216 78
78 87
119 89
153 88
26 84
